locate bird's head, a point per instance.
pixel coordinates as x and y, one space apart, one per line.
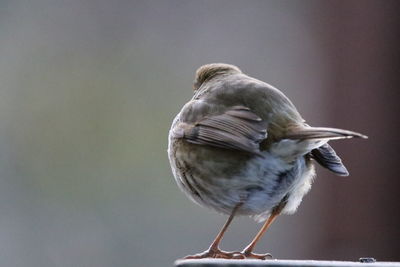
209 71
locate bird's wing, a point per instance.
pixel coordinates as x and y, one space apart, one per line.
237 128
327 158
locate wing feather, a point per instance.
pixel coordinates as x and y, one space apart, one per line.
237 128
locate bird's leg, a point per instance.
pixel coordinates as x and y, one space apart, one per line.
214 251
248 251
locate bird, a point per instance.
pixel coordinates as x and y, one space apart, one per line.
240 147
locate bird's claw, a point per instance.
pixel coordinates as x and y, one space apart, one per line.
251 255
219 254
213 253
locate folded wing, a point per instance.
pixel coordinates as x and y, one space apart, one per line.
238 128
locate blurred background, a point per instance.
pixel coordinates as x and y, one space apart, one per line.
88 90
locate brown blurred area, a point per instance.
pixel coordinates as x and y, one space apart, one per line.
365 63
88 90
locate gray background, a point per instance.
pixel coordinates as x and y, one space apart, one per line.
88 90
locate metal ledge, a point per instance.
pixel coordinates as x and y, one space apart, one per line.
280 263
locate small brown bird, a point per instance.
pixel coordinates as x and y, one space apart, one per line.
240 147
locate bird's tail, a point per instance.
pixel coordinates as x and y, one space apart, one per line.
304 139
315 139
321 133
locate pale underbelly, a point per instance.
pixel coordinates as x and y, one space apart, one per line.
260 184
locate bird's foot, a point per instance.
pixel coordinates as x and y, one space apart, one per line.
214 253
250 255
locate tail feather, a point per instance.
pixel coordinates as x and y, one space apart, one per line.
322 133
327 158
302 140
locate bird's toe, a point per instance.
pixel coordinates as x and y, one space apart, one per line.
213 253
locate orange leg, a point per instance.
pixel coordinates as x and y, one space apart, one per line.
248 251
214 251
